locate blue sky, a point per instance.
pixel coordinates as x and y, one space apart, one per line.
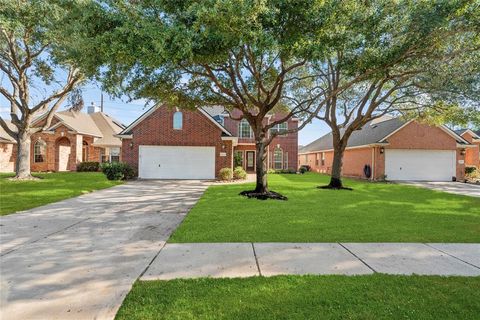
127 112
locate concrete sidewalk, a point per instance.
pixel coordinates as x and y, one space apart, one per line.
192 260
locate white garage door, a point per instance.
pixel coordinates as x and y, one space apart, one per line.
171 162
421 165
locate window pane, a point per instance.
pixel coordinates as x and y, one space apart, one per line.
39 151
278 159
177 120
245 131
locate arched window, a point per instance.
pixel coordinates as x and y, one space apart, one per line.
244 129
177 120
278 159
39 151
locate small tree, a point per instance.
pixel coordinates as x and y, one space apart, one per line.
243 55
400 58
29 36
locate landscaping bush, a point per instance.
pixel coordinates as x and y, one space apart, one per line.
304 168
88 166
117 170
271 171
239 174
470 170
225 174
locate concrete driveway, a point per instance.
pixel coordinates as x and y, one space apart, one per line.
465 189
77 259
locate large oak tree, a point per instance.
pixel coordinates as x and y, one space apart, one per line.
246 55
403 58
34 81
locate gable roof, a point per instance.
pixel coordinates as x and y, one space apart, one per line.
128 130
371 133
4 136
461 132
97 124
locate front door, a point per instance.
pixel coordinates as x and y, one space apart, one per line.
250 165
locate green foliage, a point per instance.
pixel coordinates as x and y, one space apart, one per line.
237 160
470 170
239 173
90 166
118 171
225 174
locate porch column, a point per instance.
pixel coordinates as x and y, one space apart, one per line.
78 148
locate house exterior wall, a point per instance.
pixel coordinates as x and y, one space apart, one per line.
52 140
412 136
197 130
8 157
288 143
472 155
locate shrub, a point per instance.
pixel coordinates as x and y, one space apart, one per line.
470 170
88 166
305 167
302 170
225 174
271 171
237 160
118 170
239 173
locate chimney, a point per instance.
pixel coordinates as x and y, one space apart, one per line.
92 108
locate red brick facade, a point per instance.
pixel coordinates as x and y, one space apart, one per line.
472 155
200 130
8 157
412 136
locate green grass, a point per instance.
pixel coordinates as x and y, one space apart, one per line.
373 212
22 195
306 297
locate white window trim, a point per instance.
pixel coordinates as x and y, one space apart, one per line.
240 131
275 161
44 145
178 113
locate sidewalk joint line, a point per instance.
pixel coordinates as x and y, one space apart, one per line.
151 261
361 260
448 254
256 260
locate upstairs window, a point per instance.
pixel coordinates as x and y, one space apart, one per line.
244 129
177 120
39 151
279 128
278 159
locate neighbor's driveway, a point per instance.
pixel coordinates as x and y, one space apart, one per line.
77 259
466 189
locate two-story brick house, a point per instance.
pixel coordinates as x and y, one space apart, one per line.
168 143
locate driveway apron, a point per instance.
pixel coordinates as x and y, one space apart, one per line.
78 258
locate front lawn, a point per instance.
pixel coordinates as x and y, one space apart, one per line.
373 212
306 297
22 195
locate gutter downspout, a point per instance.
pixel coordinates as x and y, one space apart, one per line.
373 164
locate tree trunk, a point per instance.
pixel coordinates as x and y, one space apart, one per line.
336 175
262 183
22 168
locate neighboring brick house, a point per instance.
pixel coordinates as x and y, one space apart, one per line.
472 155
8 150
395 150
73 137
166 143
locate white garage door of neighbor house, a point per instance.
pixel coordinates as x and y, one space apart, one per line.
172 162
421 165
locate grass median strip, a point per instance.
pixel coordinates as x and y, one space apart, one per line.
306 297
372 212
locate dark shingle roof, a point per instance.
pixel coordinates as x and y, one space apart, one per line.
370 133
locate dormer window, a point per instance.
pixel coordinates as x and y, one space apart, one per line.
244 129
177 120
